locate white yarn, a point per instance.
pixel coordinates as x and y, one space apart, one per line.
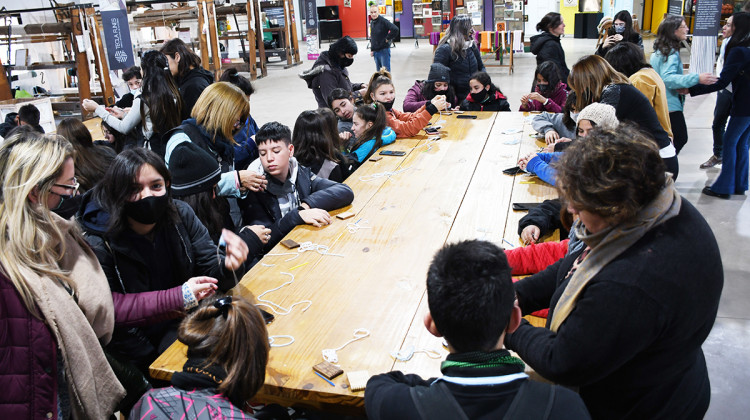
268 265
330 356
272 339
367 178
276 308
354 227
406 354
304 247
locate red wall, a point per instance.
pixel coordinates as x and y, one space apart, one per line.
353 19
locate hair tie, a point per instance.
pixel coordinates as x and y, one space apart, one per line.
375 105
223 306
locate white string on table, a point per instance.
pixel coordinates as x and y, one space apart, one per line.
272 340
404 355
330 356
355 227
276 308
367 178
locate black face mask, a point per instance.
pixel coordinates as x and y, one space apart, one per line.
479 96
147 210
387 105
346 62
543 87
68 207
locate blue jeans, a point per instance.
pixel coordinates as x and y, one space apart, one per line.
721 114
733 178
382 59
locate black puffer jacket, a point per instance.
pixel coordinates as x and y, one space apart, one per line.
191 87
331 77
546 47
462 67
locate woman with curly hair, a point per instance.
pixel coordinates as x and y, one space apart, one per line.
628 312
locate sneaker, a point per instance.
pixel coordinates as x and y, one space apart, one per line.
711 162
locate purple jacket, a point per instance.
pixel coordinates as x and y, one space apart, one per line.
414 98
555 104
28 365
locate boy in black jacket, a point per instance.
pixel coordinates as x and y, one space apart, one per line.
294 195
470 295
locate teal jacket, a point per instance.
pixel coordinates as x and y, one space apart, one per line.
671 73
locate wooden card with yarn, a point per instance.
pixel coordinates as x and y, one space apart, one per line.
328 370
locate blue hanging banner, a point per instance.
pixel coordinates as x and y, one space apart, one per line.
116 34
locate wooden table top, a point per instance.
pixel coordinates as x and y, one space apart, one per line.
441 191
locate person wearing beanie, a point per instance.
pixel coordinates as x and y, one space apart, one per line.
437 83
329 71
594 115
195 175
382 33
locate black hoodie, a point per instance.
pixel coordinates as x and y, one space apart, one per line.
546 47
191 87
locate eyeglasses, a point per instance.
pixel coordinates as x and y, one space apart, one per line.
73 187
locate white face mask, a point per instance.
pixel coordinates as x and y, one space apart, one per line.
574 116
468 44
135 92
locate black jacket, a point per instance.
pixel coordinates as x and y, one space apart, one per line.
262 208
191 87
461 67
388 395
498 103
631 105
382 32
8 124
546 217
333 76
635 38
546 47
633 342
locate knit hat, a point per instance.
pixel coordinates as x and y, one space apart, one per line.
193 170
345 45
602 115
439 73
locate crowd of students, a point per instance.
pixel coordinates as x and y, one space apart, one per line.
107 245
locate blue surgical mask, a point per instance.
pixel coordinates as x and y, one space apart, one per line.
135 92
574 116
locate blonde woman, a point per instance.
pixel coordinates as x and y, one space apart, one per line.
219 113
56 308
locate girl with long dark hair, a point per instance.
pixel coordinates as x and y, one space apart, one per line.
185 67
370 132
315 139
549 91
146 241
622 30
733 178
157 109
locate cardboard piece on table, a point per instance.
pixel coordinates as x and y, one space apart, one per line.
375 158
357 380
328 370
345 215
289 243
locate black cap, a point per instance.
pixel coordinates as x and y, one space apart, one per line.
439 73
193 170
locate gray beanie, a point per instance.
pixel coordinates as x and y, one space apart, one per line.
602 115
439 73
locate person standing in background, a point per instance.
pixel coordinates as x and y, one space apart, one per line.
723 102
382 33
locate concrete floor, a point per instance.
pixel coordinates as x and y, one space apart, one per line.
281 96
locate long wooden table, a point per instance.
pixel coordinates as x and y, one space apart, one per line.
441 191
